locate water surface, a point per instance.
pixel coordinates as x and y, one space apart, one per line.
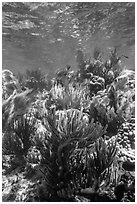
32 45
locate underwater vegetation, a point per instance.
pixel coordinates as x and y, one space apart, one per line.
71 138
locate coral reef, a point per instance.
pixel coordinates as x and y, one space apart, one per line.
73 140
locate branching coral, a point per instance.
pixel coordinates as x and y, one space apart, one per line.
93 167
18 140
71 97
67 130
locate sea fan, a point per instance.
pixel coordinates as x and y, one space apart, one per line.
9 84
17 105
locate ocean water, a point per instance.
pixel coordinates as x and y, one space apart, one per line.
22 51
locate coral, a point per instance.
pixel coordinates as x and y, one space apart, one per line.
72 136
18 140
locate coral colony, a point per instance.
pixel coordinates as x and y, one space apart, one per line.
70 138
